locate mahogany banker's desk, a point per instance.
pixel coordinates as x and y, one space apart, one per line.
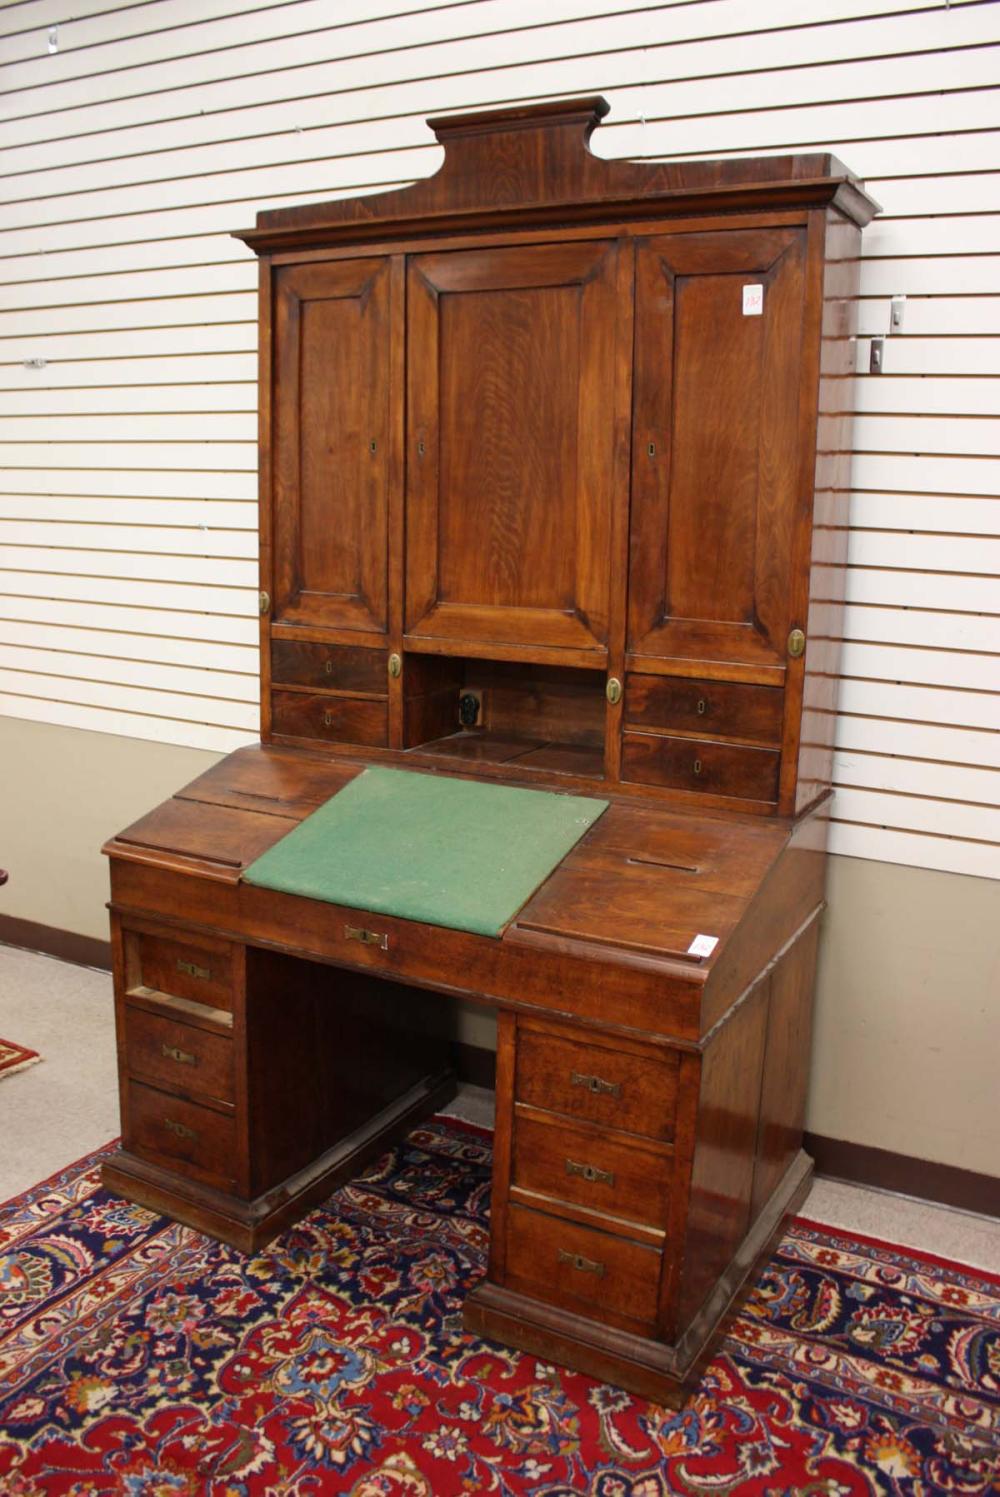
553 481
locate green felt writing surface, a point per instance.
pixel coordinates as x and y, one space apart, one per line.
451 852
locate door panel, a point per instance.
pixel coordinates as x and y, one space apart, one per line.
511 445
331 444
715 479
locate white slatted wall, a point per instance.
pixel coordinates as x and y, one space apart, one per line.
127 539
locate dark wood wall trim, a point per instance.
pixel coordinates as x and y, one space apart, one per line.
857 1164
67 945
944 1184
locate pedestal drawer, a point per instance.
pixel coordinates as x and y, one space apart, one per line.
333 667
594 1273
177 1133
181 968
591 1168
619 1089
180 1057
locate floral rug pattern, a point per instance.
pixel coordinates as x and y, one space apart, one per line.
139 1357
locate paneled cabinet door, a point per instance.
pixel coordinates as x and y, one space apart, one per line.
331 444
510 446
717 493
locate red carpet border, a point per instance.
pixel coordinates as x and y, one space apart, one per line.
138 1357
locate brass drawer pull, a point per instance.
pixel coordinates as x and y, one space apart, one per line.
180 1129
584 1265
595 1084
192 969
367 937
590 1172
182 1057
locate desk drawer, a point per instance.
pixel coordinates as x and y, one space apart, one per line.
333 667
180 1057
594 1273
332 719
701 764
179 1134
618 1089
590 1167
726 709
182 968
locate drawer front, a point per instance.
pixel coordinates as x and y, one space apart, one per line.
727 708
181 1135
592 1168
178 1056
633 1093
701 764
609 1278
331 719
336 667
186 970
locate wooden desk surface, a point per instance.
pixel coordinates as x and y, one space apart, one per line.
631 896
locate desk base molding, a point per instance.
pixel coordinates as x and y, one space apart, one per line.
251 1225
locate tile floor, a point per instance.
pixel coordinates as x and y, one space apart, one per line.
57 1111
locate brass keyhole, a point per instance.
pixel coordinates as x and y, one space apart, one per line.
697 766
702 704
372 445
328 719
651 449
328 667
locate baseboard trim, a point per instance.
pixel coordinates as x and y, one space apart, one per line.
67 945
926 1180
836 1158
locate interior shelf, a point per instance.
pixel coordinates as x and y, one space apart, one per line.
483 747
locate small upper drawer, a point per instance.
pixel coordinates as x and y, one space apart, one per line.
701 764
728 709
174 1132
619 1089
181 1057
182 968
330 718
337 667
590 1167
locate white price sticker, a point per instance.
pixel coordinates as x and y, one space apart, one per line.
703 945
753 301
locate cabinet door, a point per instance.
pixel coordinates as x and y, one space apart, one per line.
718 487
331 447
510 459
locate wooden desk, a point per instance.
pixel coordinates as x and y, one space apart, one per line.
649 1105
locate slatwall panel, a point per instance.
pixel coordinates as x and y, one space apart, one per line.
127 521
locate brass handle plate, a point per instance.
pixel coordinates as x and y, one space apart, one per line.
192 969
590 1173
595 1084
395 666
367 937
796 643
264 602
180 1129
581 1264
613 691
182 1057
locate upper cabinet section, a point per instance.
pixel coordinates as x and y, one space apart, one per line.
331 444
510 445
716 451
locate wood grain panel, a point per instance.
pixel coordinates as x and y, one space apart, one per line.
715 444
511 445
331 448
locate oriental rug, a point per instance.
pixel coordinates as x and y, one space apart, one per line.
16 1058
139 1357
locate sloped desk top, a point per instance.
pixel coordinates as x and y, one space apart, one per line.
604 939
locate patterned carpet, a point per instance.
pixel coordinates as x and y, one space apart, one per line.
16 1057
138 1357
